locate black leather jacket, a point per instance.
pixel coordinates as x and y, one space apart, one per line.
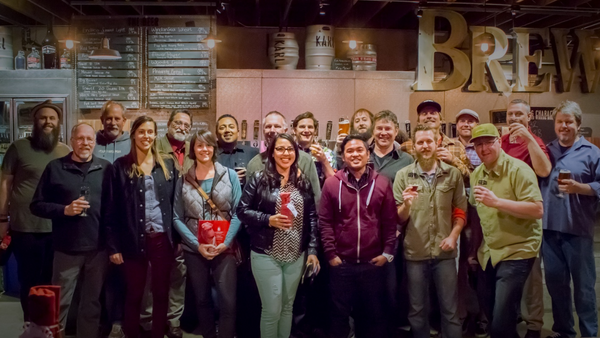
258 204
125 223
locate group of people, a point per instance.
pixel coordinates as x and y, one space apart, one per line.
374 235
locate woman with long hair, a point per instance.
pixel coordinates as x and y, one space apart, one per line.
212 257
140 225
278 209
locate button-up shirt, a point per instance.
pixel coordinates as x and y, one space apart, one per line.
506 237
153 214
573 213
519 150
238 156
471 154
430 219
361 181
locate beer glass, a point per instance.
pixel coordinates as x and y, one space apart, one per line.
563 174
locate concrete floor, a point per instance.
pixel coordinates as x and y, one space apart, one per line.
11 320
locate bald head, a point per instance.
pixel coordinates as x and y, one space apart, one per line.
83 141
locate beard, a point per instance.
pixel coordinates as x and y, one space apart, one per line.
179 136
42 141
426 163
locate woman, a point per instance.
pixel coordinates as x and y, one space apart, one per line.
139 224
279 242
207 260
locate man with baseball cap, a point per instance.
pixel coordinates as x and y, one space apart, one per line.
509 204
448 150
22 167
466 120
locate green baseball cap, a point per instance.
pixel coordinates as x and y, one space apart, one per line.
483 130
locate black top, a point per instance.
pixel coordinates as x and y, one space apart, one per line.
83 166
231 157
60 185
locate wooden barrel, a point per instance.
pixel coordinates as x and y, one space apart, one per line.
364 57
6 49
320 47
283 50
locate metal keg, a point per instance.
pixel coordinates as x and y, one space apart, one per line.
364 57
6 48
283 51
320 47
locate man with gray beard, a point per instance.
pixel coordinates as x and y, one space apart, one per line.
175 145
23 164
112 142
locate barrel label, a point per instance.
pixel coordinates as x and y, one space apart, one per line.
324 41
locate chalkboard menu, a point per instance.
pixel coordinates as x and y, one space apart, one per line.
102 80
178 68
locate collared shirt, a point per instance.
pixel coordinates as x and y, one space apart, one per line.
506 237
460 159
238 156
153 214
519 150
164 147
364 178
391 163
330 158
178 151
573 213
471 154
430 219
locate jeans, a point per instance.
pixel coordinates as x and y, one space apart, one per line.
358 288
159 253
223 271
176 296
89 268
568 256
34 254
277 284
443 273
533 298
501 289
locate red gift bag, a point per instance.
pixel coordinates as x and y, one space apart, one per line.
212 232
285 200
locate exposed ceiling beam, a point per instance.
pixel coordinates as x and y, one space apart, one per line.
367 16
344 7
392 14
29 10
15 18
546 2
145 3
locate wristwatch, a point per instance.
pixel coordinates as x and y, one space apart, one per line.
389 257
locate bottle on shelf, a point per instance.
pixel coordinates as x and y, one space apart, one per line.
33 59
20 60
50 51
65 60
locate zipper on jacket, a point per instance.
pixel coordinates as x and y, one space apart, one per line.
358 214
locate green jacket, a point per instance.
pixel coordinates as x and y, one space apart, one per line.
164 148
430 219
305 164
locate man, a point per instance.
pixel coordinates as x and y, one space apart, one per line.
231 154
358 231
23 164
273 125
112 142
522 144
304 126
470 239
570 204
431 233
386 157
174 145
448 150
79 252
509 204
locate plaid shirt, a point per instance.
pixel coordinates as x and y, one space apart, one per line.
471 154
459 160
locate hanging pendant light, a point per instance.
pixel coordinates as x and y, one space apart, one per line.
105 53
210 40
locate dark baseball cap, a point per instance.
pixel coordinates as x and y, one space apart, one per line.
47 104
428 103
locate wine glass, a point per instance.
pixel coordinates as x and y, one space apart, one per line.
85 193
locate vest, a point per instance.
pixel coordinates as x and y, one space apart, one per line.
196 207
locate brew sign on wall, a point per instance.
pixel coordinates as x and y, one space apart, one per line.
178 68
102 80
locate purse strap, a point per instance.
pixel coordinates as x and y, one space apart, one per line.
205 196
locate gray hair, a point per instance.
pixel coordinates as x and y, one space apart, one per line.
569 108
523 102
276 113
75 127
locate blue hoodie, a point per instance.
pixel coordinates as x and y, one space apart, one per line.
113 150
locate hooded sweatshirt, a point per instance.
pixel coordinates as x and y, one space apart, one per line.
357 225
111 151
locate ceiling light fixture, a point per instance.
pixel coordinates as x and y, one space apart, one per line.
105 53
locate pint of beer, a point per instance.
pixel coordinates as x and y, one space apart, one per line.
343 126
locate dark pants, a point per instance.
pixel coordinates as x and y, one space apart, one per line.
159 253
568 256
501 289
89 270
34 254
359 287
223 271
114 294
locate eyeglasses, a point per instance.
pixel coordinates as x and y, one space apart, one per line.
182 124
82 140
487 144
283 150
